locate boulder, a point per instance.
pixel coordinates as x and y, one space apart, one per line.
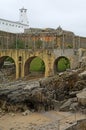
82 75
82 98
66 105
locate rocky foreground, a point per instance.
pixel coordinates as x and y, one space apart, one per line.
58 93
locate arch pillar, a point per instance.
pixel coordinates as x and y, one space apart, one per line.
17 71
18 67
49 71
22 69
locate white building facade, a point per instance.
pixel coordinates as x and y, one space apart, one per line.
15 27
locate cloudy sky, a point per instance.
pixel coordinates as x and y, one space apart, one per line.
69 14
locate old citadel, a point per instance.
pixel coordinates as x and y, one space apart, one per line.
23 44
22 29
41 70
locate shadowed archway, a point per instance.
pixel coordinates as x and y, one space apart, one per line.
34 67
61 64
8 67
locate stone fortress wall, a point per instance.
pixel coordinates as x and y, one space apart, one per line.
58 37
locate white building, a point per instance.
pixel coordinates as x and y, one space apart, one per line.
15 27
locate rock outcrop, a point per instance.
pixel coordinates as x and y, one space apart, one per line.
42 95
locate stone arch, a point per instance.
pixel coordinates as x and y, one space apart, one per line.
28 63
56 69
10 64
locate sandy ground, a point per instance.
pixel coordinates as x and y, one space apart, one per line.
38 121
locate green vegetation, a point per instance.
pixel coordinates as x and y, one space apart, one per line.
63 64
9 59
19 44
38 44
69 46
37 65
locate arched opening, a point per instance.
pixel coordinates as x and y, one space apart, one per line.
34 67
61 64
7 68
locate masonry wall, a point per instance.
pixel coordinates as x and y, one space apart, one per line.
46 39
53 40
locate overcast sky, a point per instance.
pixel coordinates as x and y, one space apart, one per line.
69 14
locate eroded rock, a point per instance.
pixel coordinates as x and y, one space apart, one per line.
45 94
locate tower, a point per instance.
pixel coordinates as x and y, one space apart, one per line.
23 16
